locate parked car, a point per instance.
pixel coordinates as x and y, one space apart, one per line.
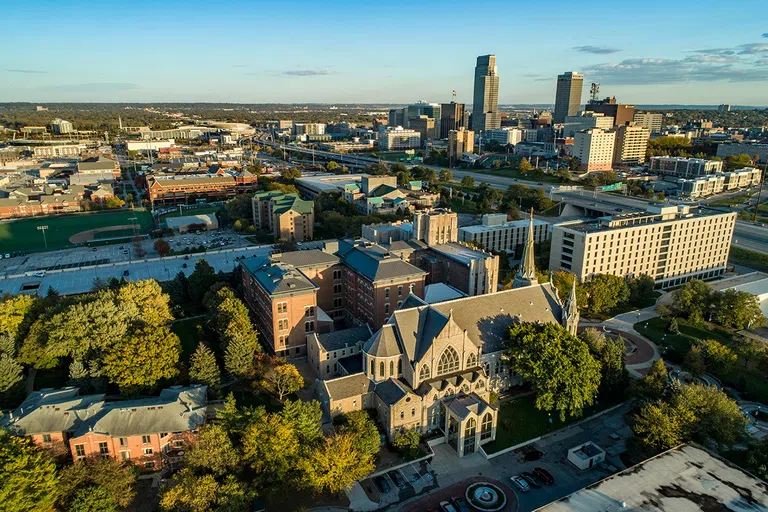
543 475
461 504
382 484
447 507
126 272
532 480
399 480
520 483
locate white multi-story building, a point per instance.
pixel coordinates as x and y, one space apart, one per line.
594 149
684 167
670 244
585 121
497 234
308 128
504 135
145 146
399 138
703 186
61 127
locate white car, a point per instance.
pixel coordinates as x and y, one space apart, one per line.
520 483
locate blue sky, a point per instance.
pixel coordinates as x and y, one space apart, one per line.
684 51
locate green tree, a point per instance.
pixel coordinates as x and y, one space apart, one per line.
271 449
283 379
757 458
739 161
178 289
641 290
332 166
605 292
213 451
525 166
614 379
717 355
694 361
335 464
713 416
152 305
692 300
739 310
406 442
561 370
203 368
658 426
652 386
306 418
140 361
201 279
190 492
28 479
446 175
468 181
239 207
291 173
365 434
111 482
14 309
403 177
750 350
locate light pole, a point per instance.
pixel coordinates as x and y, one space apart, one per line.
43 229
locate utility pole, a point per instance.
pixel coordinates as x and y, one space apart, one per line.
43 229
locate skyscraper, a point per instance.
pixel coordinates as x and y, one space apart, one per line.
485 109
568 95
452 118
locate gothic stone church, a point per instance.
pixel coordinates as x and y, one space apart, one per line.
432 367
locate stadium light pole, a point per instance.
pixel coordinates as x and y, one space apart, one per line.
43 229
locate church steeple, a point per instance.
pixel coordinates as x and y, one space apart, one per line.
526 273
571 311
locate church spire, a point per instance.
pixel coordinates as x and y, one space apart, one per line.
526 273
571 311
571 306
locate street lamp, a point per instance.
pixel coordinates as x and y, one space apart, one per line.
43 229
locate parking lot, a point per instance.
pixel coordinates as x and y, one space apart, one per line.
400 484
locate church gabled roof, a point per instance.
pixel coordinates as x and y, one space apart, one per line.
383 343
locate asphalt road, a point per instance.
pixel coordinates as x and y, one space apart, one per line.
750 236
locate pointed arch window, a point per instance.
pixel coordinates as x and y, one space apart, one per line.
471 361
486 426
424 373
399 366
381 369
449 362
391 368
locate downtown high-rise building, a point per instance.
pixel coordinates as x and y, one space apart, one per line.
485 109
452 118
568 95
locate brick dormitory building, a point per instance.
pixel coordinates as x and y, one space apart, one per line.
148 432
214 183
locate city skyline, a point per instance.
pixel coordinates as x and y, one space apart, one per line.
313 54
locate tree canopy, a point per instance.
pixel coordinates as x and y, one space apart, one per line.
561 370
28 479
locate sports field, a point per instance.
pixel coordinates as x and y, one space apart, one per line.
23 235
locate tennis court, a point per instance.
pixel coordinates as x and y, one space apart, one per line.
23 235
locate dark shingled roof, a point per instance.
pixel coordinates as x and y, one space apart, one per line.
348 386
345 338
277 278
375 263
464 405
390 392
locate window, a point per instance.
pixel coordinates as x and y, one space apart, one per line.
386 308
373 371
80 450
424 372
381 369
125 455
400 291
282 308
150 464
486 427
402 415
163 434
386 292
399 366
309 312
469 436
449 362
282 324
309 326
337 288
145 439
148 451
391 368
123 441
46 438
472 360
413 411
336 275
103 449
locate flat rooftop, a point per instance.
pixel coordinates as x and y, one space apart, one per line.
329 182
460 253
636 219
684 479
511 224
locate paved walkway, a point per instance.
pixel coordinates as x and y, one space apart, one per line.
646 351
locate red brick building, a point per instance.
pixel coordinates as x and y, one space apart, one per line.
147 432
183 188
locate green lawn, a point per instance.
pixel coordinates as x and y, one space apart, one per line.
519 421
753 259
190 331
730 201
23 235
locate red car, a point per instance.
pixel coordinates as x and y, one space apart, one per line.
543 475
